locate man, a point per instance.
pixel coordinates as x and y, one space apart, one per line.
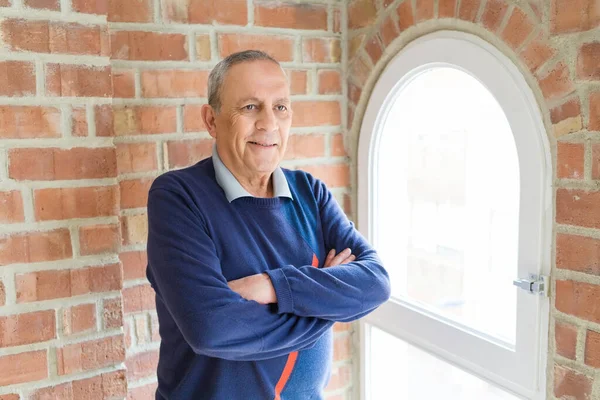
233 243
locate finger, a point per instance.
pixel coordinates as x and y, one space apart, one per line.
349 259
329 257
337 260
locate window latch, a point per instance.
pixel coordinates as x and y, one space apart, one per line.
534 284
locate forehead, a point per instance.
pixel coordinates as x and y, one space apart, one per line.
260 79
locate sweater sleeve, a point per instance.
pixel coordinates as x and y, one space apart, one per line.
342 293
185 271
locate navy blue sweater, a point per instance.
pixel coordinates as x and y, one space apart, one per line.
217 345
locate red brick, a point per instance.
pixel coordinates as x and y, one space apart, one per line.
28 122
148 46
557 83
145 120
154 328
192 118
142 365
337 146
63 392
578 207
493 14
594 111
340 377
134 264
354 93
127 329
103 116
355 44
342 348
123 84
175 83
17 78
134 192
592 349
99 239
79 125
67 203
90 355
23 367
138 298
2 294
446 8
35 246
330 82
537 52
294 16
405 13
574 15
90 6
388 31
305 146
373 49
183 153
53 37
569 384
566 118
5 3
230 12
203 47
361 13
77 81
569 163
280 47
33 327
56 164
53 5
52 284
588 61
11 207
142 392
9 396
518 28
316 113
109 385
134 229
79 318
334 175
360 70
565 336
130 11
578 253
424 10
468 10
578 299
136 157
337 21
112 314
298 81
142 329
326 50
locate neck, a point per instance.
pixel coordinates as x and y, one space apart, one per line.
258 186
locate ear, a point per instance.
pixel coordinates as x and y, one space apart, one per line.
209 117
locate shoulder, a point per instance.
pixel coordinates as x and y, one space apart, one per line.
302 181
181 180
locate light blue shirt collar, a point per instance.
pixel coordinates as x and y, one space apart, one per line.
234 190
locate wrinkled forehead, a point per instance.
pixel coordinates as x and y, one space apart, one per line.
263 80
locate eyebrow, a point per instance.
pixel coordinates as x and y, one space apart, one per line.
284 100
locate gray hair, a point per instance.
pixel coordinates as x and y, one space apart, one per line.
217 75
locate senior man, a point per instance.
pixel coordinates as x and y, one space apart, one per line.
252 264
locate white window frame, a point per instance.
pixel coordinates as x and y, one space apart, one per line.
467 349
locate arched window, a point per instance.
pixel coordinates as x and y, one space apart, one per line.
454 192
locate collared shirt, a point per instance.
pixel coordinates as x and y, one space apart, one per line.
234 190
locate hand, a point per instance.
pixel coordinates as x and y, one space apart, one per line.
343 257
255 287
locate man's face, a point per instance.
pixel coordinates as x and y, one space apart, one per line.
252 127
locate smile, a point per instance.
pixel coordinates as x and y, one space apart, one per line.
263 144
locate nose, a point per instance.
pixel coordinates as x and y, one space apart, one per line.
266 120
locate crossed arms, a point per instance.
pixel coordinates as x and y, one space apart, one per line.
217 321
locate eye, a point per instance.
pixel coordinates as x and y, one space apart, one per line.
281 108
250 107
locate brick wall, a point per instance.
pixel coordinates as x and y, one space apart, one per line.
556 44
97 98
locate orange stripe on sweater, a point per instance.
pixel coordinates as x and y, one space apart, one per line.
285 375
315 261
